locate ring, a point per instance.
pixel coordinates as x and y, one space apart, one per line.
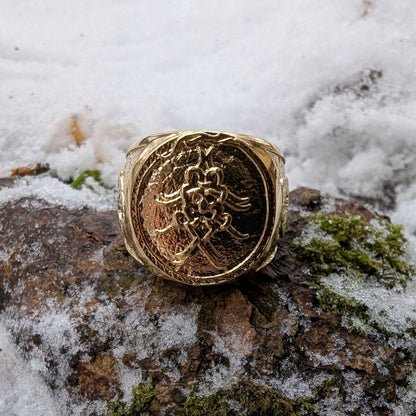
202 207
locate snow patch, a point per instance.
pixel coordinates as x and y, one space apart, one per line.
22 391
55 192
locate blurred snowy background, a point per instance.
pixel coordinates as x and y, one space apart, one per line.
331 82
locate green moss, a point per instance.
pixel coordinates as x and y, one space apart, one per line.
351 244
78 182
332 302
409 367
305 406
258 400
116 408
212 405
142 395
245 396
353 247
253 399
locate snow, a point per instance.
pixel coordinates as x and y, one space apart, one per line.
58 328
394 310
289 71
56 192
22 391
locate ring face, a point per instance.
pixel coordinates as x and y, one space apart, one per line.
202 207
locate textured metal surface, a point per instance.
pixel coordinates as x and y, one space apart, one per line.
202 207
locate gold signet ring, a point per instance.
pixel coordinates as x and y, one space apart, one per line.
203 207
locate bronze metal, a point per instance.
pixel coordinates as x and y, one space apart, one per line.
203 207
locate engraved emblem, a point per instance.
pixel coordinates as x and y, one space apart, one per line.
202 205
201 208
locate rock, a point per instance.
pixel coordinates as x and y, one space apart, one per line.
225 320
327 346
97 378
82 310
306 198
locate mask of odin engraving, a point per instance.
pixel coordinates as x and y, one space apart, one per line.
200 208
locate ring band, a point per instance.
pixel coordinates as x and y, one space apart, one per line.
202 207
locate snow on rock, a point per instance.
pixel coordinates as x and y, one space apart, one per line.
89 323
22 390
54 191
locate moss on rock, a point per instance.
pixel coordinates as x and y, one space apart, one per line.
251 399
376 250
142 395
245 396
363 251
212 405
